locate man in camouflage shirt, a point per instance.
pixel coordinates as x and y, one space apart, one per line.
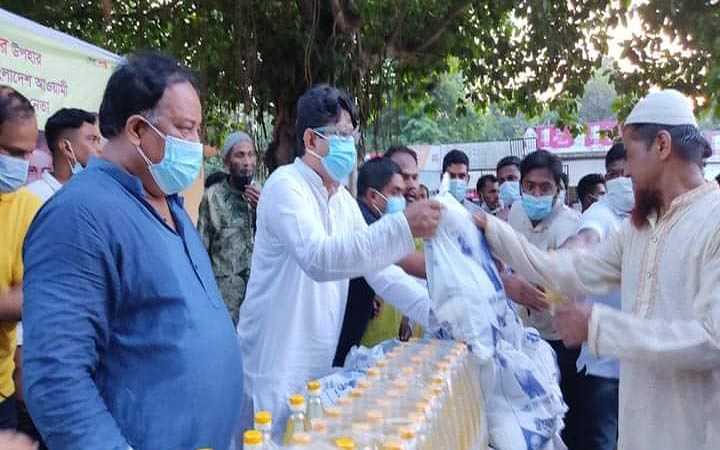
227 220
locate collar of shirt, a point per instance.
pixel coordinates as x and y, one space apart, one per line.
369 214
681 202
130 182
312 178
51 181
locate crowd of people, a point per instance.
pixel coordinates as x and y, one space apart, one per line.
142 331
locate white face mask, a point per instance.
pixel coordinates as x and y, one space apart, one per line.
620 195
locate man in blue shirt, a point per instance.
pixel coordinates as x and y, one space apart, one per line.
128 343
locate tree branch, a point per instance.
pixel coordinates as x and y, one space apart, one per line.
442 27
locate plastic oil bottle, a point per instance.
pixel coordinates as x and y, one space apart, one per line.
263 423
296 422
314 406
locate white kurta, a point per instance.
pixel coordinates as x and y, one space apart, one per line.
307 247
667 336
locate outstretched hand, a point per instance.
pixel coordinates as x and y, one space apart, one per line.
481 220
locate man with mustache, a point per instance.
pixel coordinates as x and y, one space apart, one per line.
666 261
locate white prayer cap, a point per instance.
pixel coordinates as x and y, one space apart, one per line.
234 139
666 107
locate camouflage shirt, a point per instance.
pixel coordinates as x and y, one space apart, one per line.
226 223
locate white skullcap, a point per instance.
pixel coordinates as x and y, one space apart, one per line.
666 107
233 140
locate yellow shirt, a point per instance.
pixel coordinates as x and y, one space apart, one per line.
17 210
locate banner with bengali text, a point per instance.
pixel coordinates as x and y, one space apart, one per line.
52 69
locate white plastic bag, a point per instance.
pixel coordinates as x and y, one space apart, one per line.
519 375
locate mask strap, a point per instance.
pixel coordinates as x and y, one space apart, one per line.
312 153
74 160
160 133
384 198
142 155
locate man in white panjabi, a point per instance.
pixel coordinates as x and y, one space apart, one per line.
311 239
666 261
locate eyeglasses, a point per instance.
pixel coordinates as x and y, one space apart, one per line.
327 132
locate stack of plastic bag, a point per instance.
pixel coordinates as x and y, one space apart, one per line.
519 375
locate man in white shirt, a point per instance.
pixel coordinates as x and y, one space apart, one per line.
311 239
489 191
666 261
73 137
543 218
598 384
508 175
457 165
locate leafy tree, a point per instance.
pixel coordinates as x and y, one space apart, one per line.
528 55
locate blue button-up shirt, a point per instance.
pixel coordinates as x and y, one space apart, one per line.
127 340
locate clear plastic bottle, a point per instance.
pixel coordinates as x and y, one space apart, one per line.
263 423
408 438
253 440
314 404
296 422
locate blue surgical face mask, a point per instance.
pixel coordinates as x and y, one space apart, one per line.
75 166
393 204
341 156
13 173
509 193
458 189
180 165
537 208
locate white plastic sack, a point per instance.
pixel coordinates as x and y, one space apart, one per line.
519 375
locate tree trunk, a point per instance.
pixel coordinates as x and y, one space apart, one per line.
281 150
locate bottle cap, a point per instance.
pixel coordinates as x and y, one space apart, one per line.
345 443
252 437
392 445
263 417
297 400
407 434
314 386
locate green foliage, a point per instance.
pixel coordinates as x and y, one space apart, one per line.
529 56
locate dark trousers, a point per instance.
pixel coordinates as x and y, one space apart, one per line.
570 387
599 406
8 413
358 312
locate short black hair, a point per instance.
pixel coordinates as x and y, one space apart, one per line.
508 161
483 180
320 106
376 174
616 153
455 157
14 105
687 141
394 149
542 159
136 87
587 183
66 119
